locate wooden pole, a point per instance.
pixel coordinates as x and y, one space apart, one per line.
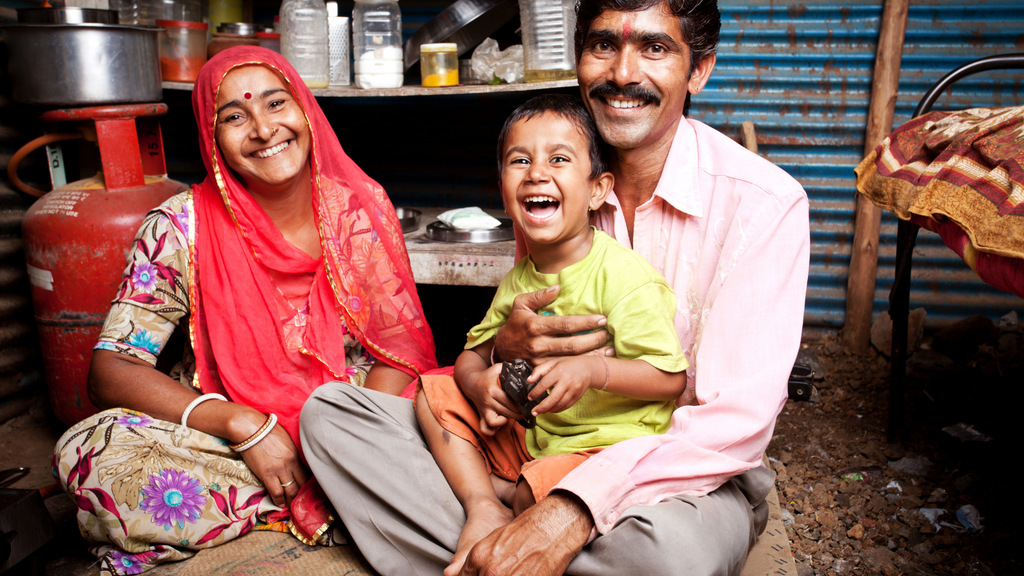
749 136
860 292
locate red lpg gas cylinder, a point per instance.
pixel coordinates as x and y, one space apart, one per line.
77 238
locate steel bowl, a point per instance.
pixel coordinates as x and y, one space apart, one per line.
409 218
58 65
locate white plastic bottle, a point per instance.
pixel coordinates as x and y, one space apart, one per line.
304 40
377 44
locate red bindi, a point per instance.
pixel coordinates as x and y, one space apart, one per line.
248 95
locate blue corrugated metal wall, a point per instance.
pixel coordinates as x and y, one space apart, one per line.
801 71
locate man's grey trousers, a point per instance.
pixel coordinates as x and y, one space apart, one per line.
367 452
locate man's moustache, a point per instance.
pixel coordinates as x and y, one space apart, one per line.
632 92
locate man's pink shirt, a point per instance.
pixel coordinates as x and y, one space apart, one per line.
730 232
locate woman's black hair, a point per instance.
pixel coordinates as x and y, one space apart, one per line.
568 107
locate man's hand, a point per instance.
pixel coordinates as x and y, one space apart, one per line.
531 337
542 541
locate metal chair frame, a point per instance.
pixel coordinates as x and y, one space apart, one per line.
906 239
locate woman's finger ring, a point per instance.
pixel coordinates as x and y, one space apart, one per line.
287 484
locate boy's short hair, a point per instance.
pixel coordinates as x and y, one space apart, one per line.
568 107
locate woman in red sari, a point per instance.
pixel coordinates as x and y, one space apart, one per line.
287 269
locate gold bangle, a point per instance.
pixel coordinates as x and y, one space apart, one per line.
607 374
257 436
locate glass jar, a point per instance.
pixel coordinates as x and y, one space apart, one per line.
147 12
304 40
548 27
439 64
377 44
182 49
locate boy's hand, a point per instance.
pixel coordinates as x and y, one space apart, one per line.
492 404
566 379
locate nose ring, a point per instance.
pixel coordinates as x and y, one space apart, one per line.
274 133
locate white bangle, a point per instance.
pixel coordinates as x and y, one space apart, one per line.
255 438
197 402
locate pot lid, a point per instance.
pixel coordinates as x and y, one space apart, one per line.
67 16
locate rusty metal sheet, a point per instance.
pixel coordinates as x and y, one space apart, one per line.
801 71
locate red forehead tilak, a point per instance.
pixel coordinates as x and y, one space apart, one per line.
248 95
626 29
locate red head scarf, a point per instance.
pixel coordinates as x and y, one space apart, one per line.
362 285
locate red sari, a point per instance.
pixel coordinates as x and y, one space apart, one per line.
363 284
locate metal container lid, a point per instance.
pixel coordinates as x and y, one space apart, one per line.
182 24
67 16
439 47
241 28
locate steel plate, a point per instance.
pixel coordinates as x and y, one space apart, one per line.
467 23
440 232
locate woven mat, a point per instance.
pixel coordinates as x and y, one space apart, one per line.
278 554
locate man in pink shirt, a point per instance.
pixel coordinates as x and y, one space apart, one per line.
730 232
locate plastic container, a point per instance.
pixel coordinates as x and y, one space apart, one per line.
147 12
231 34
439 64
270 40
304 40
182 49
337 47
377 44
548 27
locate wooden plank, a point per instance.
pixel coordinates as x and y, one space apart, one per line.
860 292
413 90
771 555
454 263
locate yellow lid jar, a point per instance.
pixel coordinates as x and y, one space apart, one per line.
439 64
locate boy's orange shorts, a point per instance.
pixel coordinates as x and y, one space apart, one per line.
505 453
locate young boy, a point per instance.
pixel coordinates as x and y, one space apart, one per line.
553 174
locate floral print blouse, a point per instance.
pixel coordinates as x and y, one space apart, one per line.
153 299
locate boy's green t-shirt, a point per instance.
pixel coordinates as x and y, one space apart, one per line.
640 306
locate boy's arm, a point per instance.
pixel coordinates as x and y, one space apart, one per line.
568 378
478 380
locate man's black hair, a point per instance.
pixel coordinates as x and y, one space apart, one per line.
568 107
699 20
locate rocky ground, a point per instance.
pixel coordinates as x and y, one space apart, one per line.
855 504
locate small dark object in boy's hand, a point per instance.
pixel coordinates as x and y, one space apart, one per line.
513 383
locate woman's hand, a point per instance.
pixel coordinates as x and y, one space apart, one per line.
275 460
565 380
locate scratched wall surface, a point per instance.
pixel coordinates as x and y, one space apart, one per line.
801 71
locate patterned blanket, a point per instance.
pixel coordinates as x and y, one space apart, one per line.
961 175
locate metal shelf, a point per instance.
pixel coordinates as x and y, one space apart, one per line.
412 90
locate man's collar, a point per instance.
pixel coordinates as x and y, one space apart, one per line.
678 183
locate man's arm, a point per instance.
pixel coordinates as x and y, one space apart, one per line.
747 345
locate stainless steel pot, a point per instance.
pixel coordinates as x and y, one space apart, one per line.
59 65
